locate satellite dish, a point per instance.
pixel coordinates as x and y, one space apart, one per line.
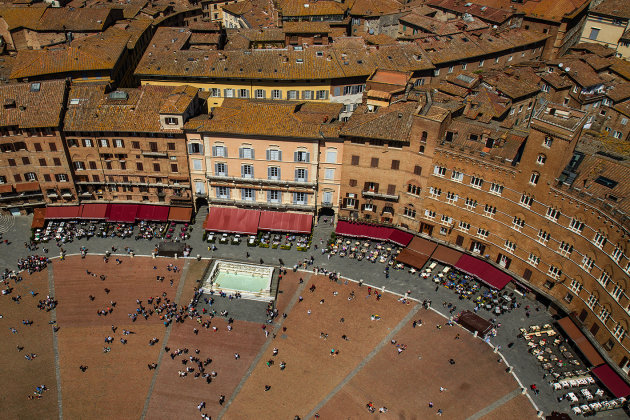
560 65
567 69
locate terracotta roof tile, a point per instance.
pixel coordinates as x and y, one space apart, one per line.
95 52
375 7
75 20
546 10
22 17
26 107
488 14
271 118
388 123
616 8
91 109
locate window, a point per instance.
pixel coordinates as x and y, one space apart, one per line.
17 178
223 192
156 167
604 314
26 161
322 94
247 194
619 332
170 146
594 33
476 182
592 301
576 286
53 147
534 178
301 156
354 160
174 167
576 225
568 298
30 176
103 143
543 237
446 220
604 279
351 203
526 200
587 263
489 211
87 142
496 189
429 214
541 159
518 223
369 207
510 246
457 176
274 154
195 148
42 162
170 121
617 292
135 144
464 66
545 87
417 170
118 143
409 212
247 171
293 94
554 272
464 226
200 187
71 142
228 93
533 259
451 198
273 196
435 192
552 214
439 171
565 248
307 94
331 156
56 162
482 233
246 153
139 166
153 146
47 178
374 163
276 94
470 204
215 92
395 165
61 177
299 198
451 68
329 174
79 166
219 151
413 189
547 142
436 72
616 254
243 93
301 175
273 172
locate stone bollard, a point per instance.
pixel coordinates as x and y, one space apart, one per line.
198 257
132 254
475 334
176 255
406 295
495 350
153 255
383 289
523 391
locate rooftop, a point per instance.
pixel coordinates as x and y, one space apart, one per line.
387 123
90 108
32 105
252 117
616 8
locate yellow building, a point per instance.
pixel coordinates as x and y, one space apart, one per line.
608 24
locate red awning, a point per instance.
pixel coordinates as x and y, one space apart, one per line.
95 211
6 188
232 220
484 271
422 246
27 186
124 213
411 258
611 380
399 237
285 222
152 213
180 214
63 212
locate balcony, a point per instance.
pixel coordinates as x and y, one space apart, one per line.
373 194
260 181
